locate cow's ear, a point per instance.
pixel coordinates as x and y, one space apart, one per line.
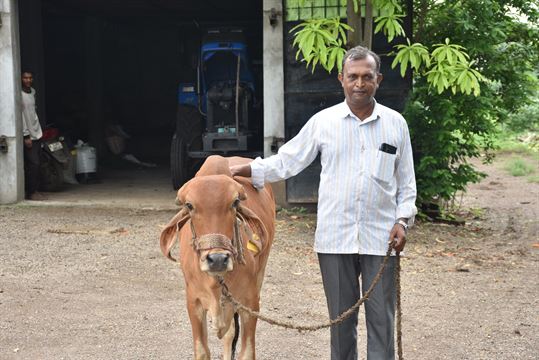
169 233
256 225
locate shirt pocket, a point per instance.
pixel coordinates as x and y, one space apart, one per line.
384 166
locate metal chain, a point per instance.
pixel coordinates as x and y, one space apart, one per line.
343 316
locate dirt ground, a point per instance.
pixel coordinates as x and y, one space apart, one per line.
80 280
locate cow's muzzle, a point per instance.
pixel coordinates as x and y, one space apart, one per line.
216 253
218 262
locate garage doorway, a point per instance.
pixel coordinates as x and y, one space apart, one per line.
118 64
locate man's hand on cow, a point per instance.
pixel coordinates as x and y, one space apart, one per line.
241 170
398 233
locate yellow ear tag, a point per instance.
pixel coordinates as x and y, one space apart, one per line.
251 246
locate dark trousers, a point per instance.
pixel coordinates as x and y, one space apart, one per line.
340 275
31 167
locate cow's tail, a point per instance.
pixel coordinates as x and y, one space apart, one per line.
236 334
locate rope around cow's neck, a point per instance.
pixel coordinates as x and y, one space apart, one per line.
343 316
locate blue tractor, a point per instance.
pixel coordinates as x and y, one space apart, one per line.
218 114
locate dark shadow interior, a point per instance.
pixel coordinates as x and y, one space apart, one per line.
119 62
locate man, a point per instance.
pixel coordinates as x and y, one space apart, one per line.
32 134
366 199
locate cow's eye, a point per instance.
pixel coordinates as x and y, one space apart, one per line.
189 206
236 203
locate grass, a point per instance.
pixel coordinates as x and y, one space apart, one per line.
476 213
519 167
534 179
526 145
522 142
512 145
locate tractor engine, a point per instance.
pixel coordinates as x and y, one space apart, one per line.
221 108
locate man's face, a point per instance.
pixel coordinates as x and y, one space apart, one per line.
27 80
360 80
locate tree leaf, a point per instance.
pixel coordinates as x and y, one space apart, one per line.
331 59
380 25
308 45
340 56
404 63
396 60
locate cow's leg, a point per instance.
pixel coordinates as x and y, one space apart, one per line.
248 331
197 316
228 339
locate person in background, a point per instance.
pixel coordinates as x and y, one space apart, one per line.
32 134
366 200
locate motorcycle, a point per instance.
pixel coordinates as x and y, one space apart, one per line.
54 159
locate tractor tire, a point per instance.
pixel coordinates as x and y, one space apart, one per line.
189 126
179 166
188 136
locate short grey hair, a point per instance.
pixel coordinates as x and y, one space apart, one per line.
359 53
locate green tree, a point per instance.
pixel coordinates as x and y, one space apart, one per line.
322 41
448 128
473 63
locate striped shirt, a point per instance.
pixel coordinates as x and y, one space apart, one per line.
363 190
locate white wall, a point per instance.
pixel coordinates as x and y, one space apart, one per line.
273 86
11 163
273 75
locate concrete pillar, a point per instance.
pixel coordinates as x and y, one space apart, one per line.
273 75
273 84
32 50
11 162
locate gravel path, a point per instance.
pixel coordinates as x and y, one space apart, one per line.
91 283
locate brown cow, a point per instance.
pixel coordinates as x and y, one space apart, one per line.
229 231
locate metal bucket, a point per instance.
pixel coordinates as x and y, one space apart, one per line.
86 160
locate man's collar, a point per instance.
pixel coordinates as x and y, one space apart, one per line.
346 112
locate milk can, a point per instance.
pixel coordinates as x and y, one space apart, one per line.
86 161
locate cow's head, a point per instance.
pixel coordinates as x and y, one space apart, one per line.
212 207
